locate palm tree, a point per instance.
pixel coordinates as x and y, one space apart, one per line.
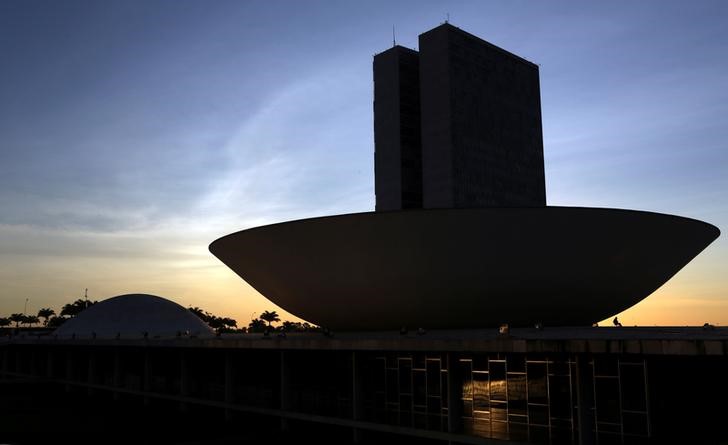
55 322
229 323
256 325
73 309
30 320
204 316
45 314
17 319
270 317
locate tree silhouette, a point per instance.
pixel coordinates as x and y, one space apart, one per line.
270 317
55 322
30 320
257 325
45 314
75 308
204 316
17 319
4 322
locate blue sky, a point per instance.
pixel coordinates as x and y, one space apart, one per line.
132 134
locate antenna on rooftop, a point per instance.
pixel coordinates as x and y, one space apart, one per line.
447 17
394 40
85 294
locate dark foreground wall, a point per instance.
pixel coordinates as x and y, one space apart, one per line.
395 388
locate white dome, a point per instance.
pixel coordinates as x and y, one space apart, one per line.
133 316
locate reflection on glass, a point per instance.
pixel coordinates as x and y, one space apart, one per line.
537 389
481 394
508 397
498 386
466 377
517 393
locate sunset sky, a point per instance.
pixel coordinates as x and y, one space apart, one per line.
134 133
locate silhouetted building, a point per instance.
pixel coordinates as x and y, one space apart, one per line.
479 121
398 156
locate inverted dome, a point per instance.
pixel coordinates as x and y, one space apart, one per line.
464 268
133 316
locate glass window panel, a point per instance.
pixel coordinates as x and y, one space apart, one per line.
467 426
633 387
609 427
434 422
517 393
635 423
538 415
518 431
516 363
466 377
419 389
538 434
467 406
418 361
498 411
482 415
433 377
481 397
480 362
419 421
562 435
537 388
405 403
392 390
405 376
609 439
443 388
481 428
379 373
560 396
498 386
433 405
605 366
607 399
499 430
559 367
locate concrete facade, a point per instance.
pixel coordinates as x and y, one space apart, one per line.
398 152
457 125
561 385
482 142
464 268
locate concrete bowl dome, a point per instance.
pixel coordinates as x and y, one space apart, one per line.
464 268
131 316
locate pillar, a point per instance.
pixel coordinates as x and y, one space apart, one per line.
357 394
454 394
91 372
147 376
229 384
116 376
69 370
184 380
285 387
584 400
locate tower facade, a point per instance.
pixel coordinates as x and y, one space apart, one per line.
398 148
479 120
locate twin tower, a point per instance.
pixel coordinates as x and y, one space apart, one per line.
456 125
